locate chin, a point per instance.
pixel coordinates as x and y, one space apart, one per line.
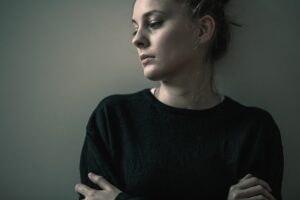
152 74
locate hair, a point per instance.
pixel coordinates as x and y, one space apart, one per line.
221 36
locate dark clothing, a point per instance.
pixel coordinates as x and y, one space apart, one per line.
152 151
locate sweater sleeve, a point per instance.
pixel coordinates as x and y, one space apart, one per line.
96 155
262 154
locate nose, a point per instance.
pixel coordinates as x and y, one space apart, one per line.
140 40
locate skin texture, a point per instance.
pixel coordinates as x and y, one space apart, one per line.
250 188
109 191
179 46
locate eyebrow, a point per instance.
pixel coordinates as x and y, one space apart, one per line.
149 13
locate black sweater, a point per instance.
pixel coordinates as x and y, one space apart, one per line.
150 150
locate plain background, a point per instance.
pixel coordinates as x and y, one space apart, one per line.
58 59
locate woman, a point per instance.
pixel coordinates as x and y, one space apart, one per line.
182 140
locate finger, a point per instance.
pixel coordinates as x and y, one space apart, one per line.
259 197
252 181
245 177
100 180
83 189
256 191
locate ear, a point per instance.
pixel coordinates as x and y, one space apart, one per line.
206 27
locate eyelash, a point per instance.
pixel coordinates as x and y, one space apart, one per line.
151 25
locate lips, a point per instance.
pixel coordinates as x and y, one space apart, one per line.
145 56
147 60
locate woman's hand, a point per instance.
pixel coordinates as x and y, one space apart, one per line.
250 187
109 192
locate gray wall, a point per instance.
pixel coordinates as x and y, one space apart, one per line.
58 59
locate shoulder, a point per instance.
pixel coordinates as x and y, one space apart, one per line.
262 127
250 114
118 100
259 114
108 108
262 117
252 122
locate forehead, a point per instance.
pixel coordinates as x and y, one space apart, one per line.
146 4
145 8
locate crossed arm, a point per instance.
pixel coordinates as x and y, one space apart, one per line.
249 187
263 157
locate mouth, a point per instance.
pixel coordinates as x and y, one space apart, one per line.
143 56
147 60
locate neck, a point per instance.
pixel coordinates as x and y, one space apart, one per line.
196 93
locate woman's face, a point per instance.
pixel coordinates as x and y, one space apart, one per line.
168 36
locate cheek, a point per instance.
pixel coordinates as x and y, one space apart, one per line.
175 46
